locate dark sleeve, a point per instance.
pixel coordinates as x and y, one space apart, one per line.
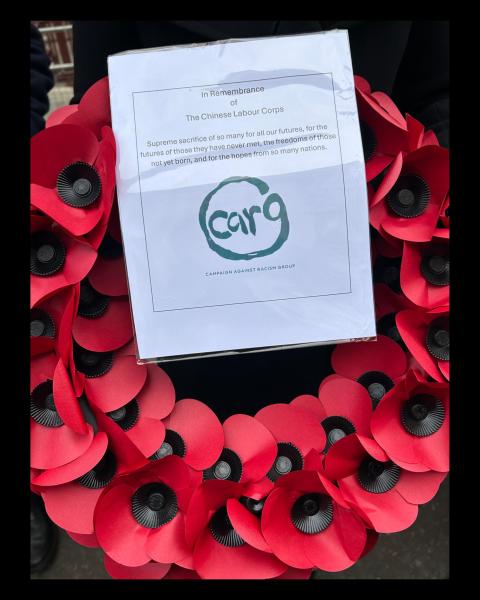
422 83
41 81
93 41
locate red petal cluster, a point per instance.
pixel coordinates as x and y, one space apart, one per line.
160 484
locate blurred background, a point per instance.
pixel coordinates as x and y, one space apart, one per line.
57 37
420 552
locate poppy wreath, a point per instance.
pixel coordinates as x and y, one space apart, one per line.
164 488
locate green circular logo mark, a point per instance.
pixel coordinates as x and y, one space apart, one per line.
220 225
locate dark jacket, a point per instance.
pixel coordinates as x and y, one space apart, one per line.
41 81
407 60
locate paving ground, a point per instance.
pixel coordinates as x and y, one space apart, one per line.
421 552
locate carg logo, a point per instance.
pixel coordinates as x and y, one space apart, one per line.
240 221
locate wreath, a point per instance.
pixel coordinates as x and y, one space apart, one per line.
161 485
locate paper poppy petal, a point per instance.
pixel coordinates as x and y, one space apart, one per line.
109 276
412 326
76 468
246 525
109 332
151 570
56 147
76 220
288 424
89 540
66 401
215 561
60 114
118 386
41 368
78 262
94 108
340 545
157 398
292 573
348 399
279 532
177 572
419 488
172 470
72 506
253 443
128 456
147 435
167 544
385 355
310 404
201 431
344 456
387 183
52 447
118 534
387 512
444 367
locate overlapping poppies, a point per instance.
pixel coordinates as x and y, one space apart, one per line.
159 483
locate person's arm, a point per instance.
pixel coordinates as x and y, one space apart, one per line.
422 83
41 81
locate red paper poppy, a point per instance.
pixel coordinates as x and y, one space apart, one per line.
427 336
111 380
87 540
57 260
59 115
226 536
343 407
425 273
103 322
192 431
411 424
52 442
375 365
386 495
51 324
296 432
71 492
307 524
249 451
141 516
141 417
383 128
72 176
407 202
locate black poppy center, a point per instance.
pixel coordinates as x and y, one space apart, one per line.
92 364
154 504
377 385
436 269
422 415
438 338
172 444
79 185
41 324
126 416
252 505
288 459
409 197
335 429
82 186
42 405
47 254
228 466
92 304
101 474
378 477
222 529
312 513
